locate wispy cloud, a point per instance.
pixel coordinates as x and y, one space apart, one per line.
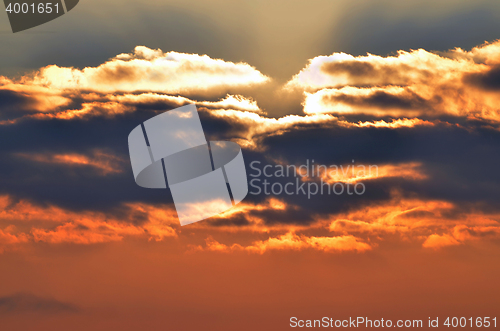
293 242
30 303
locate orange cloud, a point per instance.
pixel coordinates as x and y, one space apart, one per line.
410 220
256 222
105 163
416 66
434 224
37 97
395 123
85 231
291 241
10 240
416 220
437 241
87 110
143 78
36 223
460 234
411 83
406 217
354 173
112 105
235 102
152 70
256 126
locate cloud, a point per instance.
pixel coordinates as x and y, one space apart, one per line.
461 234
24 96
379 102
152 70
146 78
10 240
103 162
30 303
340 69
437 241
414 220
110 106
326 244
415 83
253 126
361 229
489 80
85 231
413 115
395 123
56 225
354 173
406 217
405 68
293 242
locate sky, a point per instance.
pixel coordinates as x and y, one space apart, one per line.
410 89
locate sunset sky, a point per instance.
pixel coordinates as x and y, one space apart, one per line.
410 87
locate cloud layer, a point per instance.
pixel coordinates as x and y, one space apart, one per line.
415 83
428 121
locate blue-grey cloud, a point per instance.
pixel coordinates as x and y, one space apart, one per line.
30 303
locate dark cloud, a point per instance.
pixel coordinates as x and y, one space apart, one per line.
119 73
65 185
489 80
14 104
30 303
383 100
352 68
462 27
37 167
458 169
440 149
359 72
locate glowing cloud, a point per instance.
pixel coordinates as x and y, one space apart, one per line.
291 241
152 70
88 227
414 83
105 163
